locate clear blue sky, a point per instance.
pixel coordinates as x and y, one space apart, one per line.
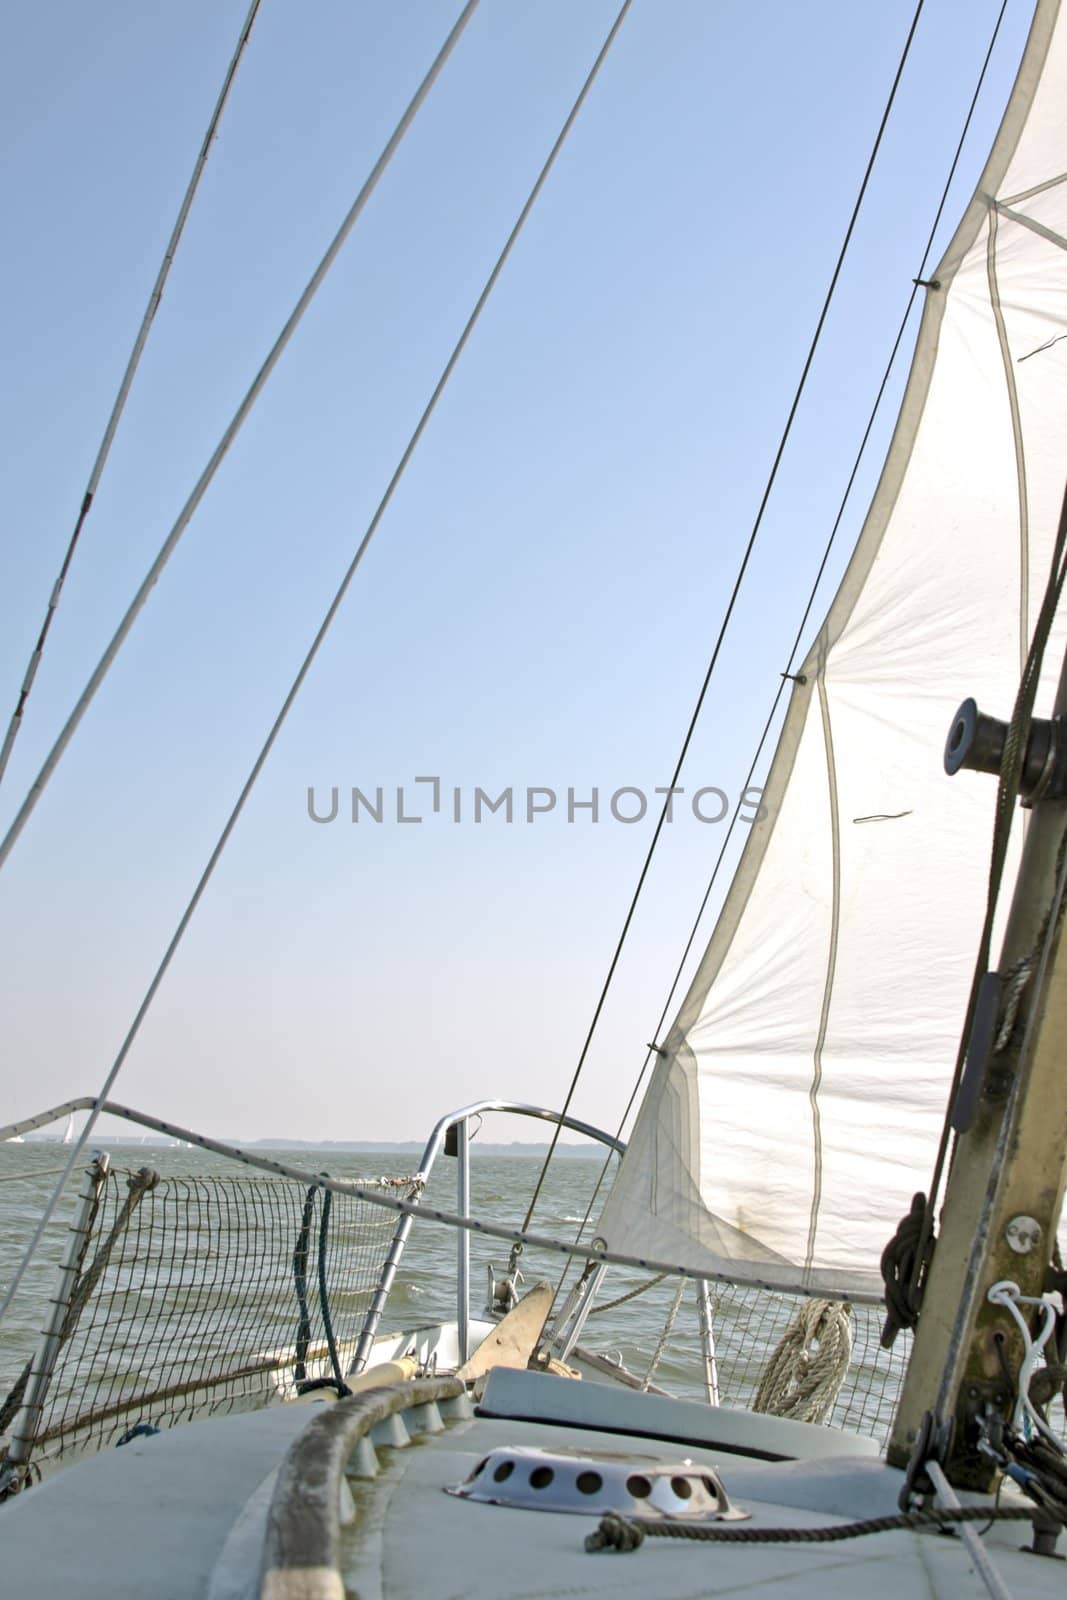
542 597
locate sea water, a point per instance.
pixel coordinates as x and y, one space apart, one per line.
425 1287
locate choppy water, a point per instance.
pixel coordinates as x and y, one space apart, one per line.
748 1323
424 1290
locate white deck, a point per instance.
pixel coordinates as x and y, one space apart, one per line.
181 1515
413 1542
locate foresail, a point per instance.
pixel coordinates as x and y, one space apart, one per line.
797 1106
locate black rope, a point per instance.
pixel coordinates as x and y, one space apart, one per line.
904 1273
627 1533
694 718
300 1279
1040 1470
312 1385
324 1297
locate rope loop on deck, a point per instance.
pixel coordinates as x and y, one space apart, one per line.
626 1533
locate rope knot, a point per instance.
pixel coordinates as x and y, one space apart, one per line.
615 1533
141 1181
903 1273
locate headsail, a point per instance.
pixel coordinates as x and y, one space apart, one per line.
798 1103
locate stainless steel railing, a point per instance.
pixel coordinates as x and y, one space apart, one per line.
460 1121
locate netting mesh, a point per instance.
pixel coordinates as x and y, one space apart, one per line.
750 1324
208 1294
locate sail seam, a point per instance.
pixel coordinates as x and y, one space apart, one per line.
1031 223
1038 188
795 723
1017 436
831 967
869 543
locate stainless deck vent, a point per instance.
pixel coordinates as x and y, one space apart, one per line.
592 1483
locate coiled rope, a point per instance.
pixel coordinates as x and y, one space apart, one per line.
803 1377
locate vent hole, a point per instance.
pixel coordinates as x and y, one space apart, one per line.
589 1482
712 1487
682 1488
639 1486
504 1470
541 1477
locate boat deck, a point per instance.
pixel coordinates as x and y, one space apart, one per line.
411 1541
194 1505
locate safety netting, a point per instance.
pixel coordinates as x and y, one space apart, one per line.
205 1294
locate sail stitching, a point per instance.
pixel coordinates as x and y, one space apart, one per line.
1030 222
831 966
678 1031
1017 435
1038 188
725 623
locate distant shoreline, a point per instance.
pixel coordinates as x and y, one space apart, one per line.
385 1147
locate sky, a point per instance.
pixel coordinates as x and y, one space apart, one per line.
541 599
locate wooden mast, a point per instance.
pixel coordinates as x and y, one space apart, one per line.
1005 1188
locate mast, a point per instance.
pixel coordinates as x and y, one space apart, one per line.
1005 1188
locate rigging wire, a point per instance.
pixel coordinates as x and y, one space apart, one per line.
119 404
757 524
237 421
324 627
785 677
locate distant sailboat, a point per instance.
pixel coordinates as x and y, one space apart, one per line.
68 1132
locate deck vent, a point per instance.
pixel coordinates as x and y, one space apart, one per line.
592 1483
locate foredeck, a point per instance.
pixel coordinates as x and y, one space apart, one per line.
188 1513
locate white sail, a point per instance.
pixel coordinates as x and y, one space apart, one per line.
797 1106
